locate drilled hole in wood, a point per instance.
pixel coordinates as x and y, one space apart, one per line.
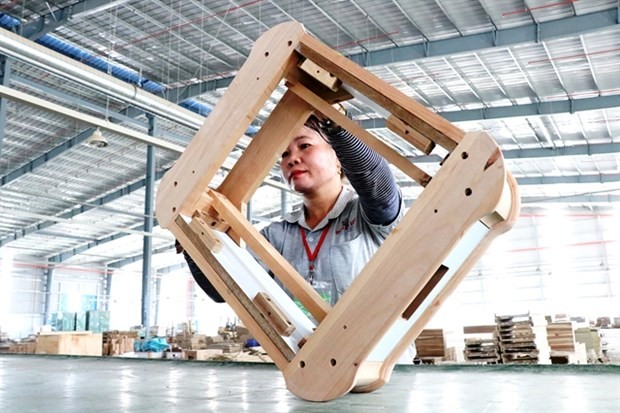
290 42
302 364
332 362
175 183
266 54
468 192
344 327
464 155
174 209
258 78
406 131
193 172
435 210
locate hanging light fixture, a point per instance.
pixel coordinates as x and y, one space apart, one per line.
97 140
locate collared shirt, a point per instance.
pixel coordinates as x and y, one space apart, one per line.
350 243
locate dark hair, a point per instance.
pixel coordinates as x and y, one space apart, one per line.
316 125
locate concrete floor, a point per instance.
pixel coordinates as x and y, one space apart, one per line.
50 384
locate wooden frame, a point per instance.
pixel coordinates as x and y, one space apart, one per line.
353 346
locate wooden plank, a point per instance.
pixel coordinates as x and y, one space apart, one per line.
482 329
243 306
181 188
387 152
429 124
409 134
282 269
265 149
272 313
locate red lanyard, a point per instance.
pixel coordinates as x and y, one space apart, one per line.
313 254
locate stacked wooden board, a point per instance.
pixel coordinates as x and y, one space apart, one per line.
560 337
430 345
481 345
516 339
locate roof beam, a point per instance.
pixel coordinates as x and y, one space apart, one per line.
582 199
532 153
53 20
79 210
530 109
571 26
138 257
63 256
531 33
572 179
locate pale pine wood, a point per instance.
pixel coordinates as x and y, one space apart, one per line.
429 124
242 305
320 74
273 315
497 229
204 231
472 185
282 269
372 303
264 150
297 75
409 134
181 188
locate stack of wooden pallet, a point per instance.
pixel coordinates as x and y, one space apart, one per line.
481 345
516 339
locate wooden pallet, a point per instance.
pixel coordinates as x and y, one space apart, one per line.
353 346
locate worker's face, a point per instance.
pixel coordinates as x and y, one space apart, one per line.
309 162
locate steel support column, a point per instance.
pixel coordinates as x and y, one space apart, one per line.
5 76
148 227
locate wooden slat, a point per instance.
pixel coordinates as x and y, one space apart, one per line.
409 134
387 152
243 306
282 269
429 124
265 149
